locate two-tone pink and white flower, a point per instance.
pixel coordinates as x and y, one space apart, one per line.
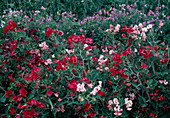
81 87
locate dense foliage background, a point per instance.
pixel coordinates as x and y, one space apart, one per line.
81 8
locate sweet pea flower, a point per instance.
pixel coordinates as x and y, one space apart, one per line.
115 101
117 111
90 85
80 87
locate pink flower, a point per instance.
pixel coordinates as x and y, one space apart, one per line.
165 82
43 8
160 24
100 12
115 101
80 88
111 27
117 28
17 116
37 69
48 61
90 85
144 66
110 102
117 111
49 93
56 94
143 36
69 51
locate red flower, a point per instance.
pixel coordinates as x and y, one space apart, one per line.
85 79
144 66
32 102
109 82
117 57
123 35
73 60
49 31
73 85
11 26
6 29
49 93
101 93
8 92
59 79
115 93
74 70
60 33
23 92
91 114
12 109
29 114
87 106
124 75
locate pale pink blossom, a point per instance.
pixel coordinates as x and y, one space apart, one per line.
48 61
110 102
106 68
80 87
149 26
140 25
117 111
165 82
90 85
160 24
87 53
117 28
115 101
100 84
143 36
128 103
43 8
69 51
59 99
56 94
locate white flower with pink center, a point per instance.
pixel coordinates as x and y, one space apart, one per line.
80 87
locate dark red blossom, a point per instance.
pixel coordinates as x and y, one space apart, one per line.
91 114
73 60
49 31
117 57
23 92
8 92
11 26
116 93
73 85
101 93
12 110
85 79
29 114
87 106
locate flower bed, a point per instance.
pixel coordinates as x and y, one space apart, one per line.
118 69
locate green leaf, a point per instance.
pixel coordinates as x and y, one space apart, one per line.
50 102
3 99
61 103
30 96
45 115
135 85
